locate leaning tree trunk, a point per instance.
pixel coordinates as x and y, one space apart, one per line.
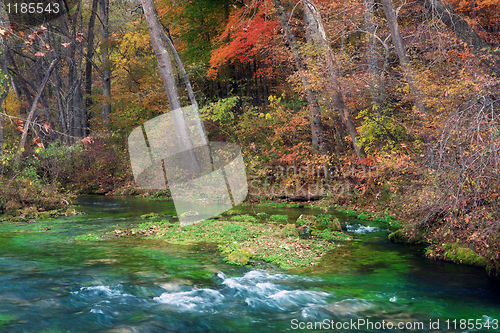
32 112
165 68
317 30
317 131
406 66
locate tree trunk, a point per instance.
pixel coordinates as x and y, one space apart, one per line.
317 30
106 78
455 22
31 115
165 68
406 66
88 65
376 93
167 39
317 131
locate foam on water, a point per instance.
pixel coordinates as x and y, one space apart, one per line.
258 290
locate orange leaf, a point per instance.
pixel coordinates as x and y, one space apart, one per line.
46 126
37 141
65 44
86 141
79 36
40 54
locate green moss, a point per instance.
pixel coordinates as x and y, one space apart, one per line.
5 319
237 241
282 218
246 218
149 216
88 237
289 230
330 235
398 237
403 236
463 255
327 221
239 257
362 216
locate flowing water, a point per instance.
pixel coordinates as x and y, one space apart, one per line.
50 282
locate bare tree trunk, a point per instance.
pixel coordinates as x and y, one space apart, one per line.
31 115
317 131
90 55
106 79
2 98
88 66
403 58
165 68
376 93
316 27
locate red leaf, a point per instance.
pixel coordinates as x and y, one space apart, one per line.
46 126
65 44
40 54
12 27
79 37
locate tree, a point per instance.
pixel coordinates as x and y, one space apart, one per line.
376 86
31 115
90 54
317 30
106 71
404 61
165 68
317 131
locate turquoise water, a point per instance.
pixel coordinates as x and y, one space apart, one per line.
52 283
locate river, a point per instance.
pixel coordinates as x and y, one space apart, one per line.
50 282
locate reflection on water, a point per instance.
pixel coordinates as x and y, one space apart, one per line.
138 285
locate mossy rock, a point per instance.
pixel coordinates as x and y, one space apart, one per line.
149 216
239 257
398 237
463 255
320 222
304 231
289 230
403 236
230 212
305 219
326 221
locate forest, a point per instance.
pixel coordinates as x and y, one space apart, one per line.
377 106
